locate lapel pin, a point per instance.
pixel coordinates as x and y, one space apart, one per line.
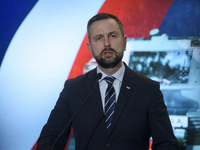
128 87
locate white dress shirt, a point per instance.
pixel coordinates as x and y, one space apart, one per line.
117 83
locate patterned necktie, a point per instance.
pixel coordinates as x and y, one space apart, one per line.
110 102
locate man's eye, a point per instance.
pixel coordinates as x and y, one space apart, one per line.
113 36
98 38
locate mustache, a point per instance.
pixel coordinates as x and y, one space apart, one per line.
108 49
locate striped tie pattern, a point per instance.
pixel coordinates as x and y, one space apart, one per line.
110 102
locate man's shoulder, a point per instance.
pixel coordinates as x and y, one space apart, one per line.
139 77
82 77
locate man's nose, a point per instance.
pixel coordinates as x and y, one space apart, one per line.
107 42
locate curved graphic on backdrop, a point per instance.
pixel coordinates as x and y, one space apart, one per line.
12 15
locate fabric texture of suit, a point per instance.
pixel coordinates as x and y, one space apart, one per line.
140 113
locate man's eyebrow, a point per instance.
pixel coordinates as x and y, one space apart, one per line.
112 32
97 36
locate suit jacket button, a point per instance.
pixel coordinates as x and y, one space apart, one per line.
108 145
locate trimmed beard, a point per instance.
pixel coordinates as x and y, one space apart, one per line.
109 62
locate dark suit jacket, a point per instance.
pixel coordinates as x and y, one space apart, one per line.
140 113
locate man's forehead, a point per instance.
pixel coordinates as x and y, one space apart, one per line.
103 25
104 21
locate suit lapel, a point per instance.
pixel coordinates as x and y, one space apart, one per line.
95 100
127 87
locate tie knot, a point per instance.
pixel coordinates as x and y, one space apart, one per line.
109 80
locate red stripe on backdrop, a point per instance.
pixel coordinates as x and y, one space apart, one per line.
81 59
138 18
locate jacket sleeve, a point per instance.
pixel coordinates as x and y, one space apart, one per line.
160 125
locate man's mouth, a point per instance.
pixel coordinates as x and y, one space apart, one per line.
108 53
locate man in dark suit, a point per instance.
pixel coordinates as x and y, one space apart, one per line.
121 113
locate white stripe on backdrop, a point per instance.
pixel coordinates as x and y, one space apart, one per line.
36 65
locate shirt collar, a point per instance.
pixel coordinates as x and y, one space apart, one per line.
118 75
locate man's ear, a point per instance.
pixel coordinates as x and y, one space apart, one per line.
89 47
125 41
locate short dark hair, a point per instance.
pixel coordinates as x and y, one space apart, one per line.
103 16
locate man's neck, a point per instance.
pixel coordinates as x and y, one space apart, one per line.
111 71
